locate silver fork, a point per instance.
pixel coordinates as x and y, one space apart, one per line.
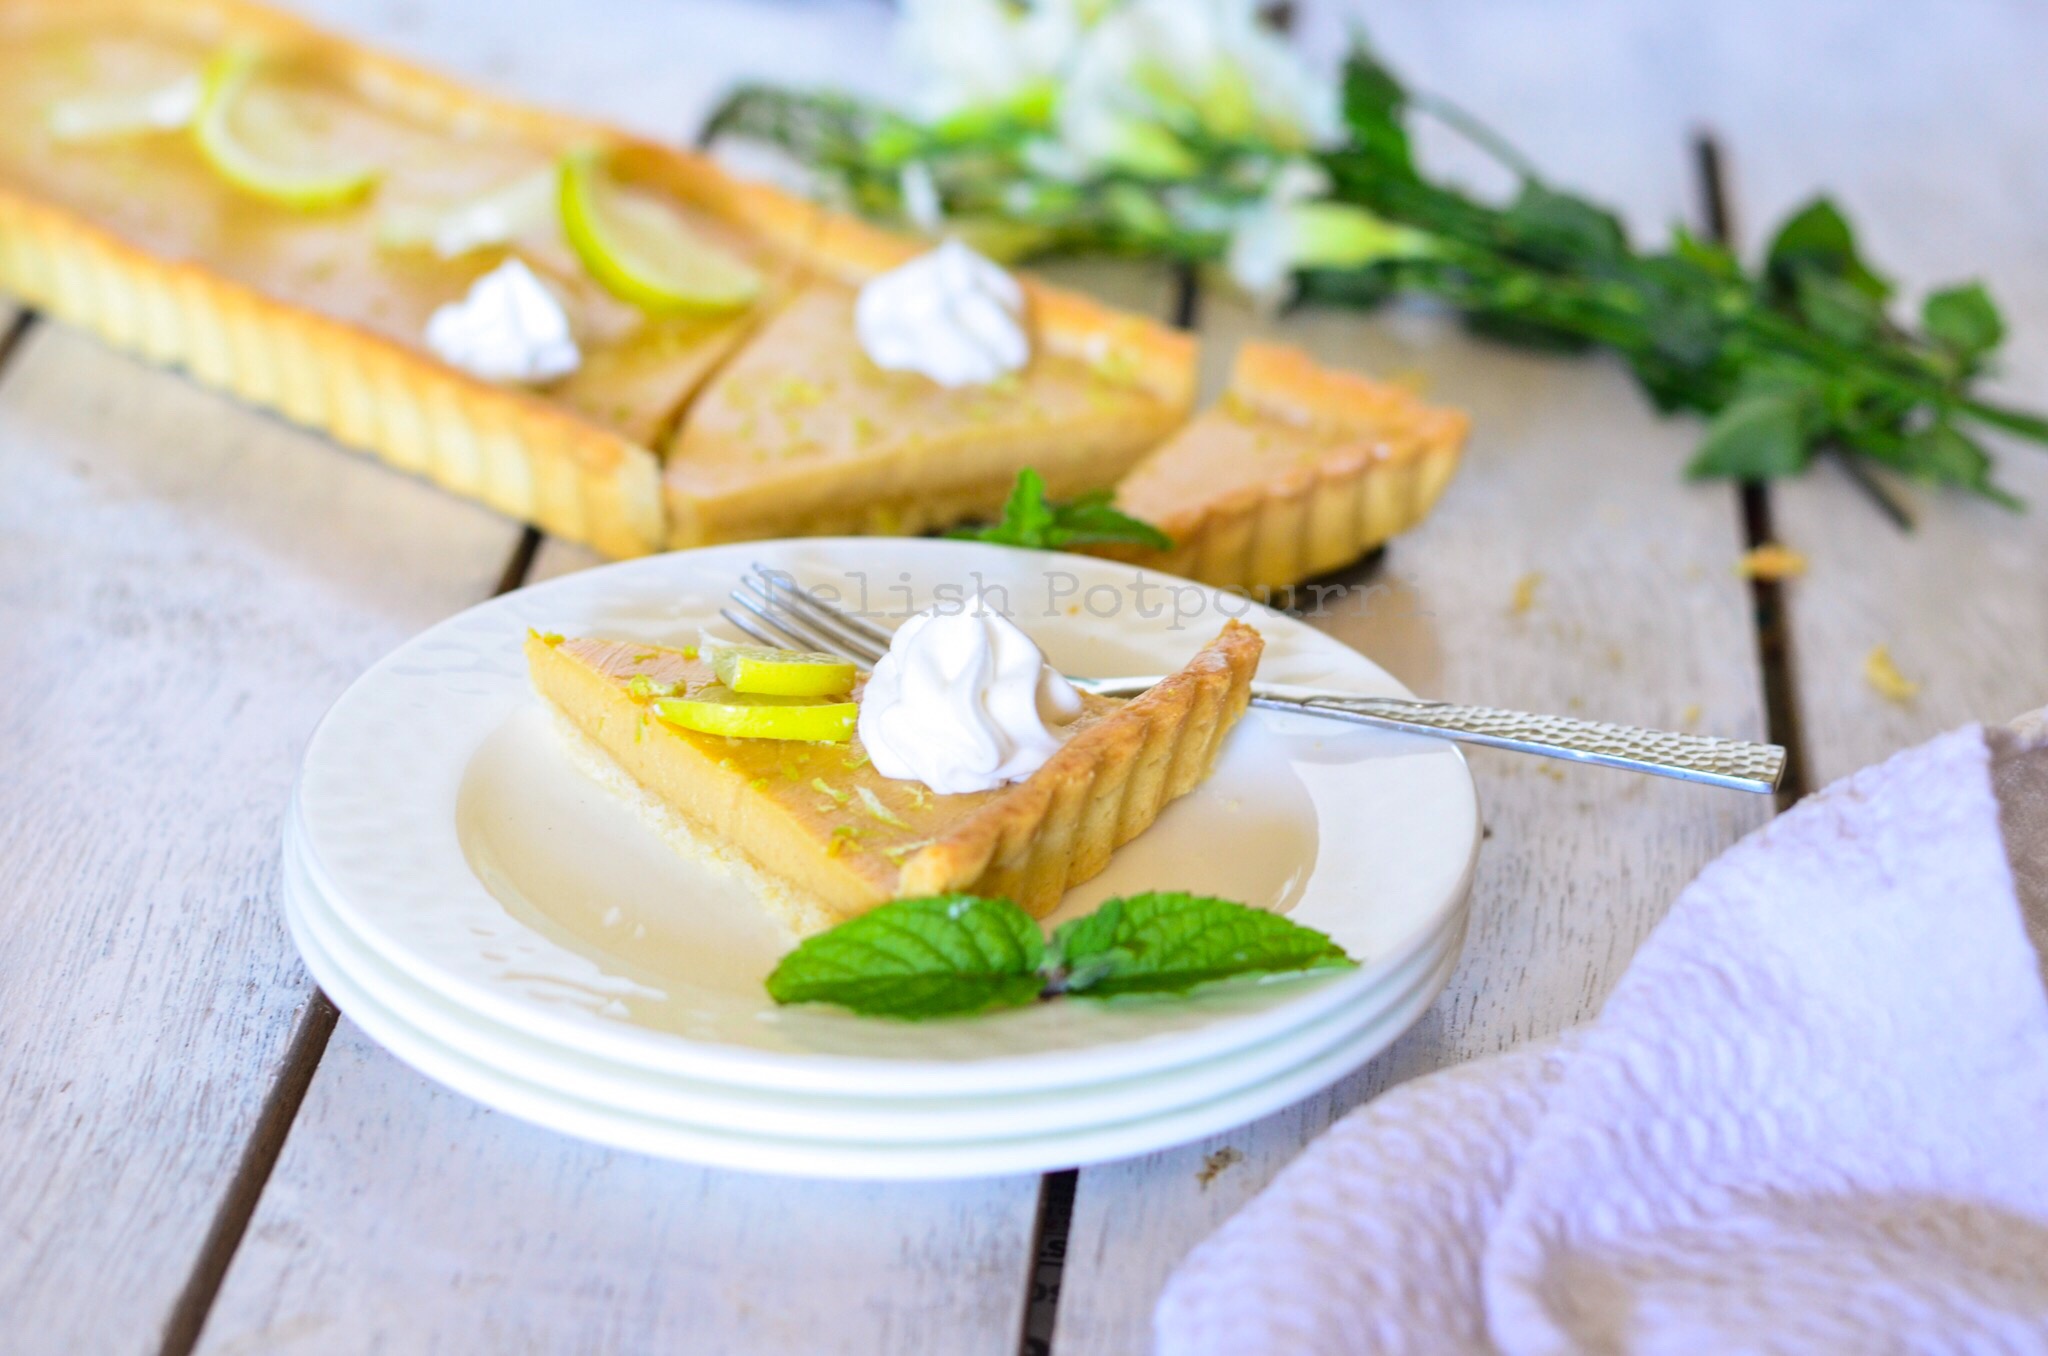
777 611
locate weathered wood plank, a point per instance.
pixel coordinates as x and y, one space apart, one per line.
404 1218
185 586
1634 615
1932 150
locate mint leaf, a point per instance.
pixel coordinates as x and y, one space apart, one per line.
1172 941
1963 319
1756 438
1563 228
1838 308
1943 453
1031 520
1091 519
1817 240
1374 105
941 956
1027 518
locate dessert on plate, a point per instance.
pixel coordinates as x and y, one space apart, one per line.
1296 471
962 763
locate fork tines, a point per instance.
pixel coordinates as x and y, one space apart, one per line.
776 610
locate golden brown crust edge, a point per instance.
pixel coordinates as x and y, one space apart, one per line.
1319 518
1102 789
514 452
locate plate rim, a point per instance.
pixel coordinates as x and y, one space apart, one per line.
965 1160
557 1066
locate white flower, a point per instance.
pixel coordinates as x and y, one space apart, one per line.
1292 228
1151 68
971 53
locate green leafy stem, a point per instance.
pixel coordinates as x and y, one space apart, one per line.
952 955
1798 354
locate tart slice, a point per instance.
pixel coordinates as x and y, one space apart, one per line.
1296 471
829 837
801 434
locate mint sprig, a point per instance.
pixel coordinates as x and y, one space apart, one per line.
941 956
1031 520
1171 942
952 955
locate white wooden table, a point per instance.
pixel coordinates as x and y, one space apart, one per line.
196 1155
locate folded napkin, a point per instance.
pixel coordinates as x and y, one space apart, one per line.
1813 1118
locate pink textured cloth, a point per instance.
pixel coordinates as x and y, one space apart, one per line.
1812 1118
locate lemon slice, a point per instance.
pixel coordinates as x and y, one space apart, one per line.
753 715
254 144
105 114
782 673
641 251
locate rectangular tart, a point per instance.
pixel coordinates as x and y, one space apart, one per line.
136 239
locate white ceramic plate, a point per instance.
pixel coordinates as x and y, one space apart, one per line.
453 837
341 959
519 1093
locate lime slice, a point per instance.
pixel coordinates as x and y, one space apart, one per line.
753 715
106 114
255 144
641 251
782 673
497 216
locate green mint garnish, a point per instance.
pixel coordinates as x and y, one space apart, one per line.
1171 942
943 956
951 955
1031 520
1785 356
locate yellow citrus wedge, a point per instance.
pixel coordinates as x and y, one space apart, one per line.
640 251
782 673
753 715
255 144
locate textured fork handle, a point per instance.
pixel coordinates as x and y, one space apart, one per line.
1694 758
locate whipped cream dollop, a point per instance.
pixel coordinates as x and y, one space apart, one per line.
509 328
963 702
950 315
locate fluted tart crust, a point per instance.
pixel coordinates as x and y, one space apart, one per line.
1296 471
833 838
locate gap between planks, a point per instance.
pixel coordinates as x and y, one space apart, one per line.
11 338
295 1075
1770 607
1056 1189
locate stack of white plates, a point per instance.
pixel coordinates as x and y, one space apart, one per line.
496 919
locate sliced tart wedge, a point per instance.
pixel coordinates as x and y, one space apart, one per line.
829 837
1296 471
801 434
